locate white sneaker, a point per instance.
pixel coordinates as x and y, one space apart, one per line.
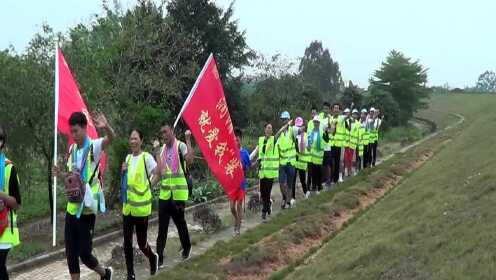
307 194
292 202
317 192
340 178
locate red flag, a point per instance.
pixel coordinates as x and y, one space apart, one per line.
206 113
70 101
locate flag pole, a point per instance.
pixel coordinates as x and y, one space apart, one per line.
56 121
193 89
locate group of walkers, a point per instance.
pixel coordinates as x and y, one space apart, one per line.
321 151
166 167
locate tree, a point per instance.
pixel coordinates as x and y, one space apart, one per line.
487 82
406 81
209 29
351 94
318 69
384 100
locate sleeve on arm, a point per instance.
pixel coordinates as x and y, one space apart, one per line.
150 163
97 148
14 186
183 148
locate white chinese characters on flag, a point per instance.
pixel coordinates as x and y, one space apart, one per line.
207 115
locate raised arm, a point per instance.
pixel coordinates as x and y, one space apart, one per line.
101 122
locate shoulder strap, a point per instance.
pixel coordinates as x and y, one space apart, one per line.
146 170
95 170
181 158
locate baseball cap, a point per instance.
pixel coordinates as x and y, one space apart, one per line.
285 115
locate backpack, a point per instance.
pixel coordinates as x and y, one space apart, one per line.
74 186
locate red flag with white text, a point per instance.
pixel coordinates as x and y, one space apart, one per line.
207 116
70 101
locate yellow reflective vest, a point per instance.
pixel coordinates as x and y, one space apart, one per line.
268 155
139 195
11 234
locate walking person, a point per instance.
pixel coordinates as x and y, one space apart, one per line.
372 136
171 163
10 202
366 138
138 176
325 123
337 143
303 157
376 124
315 147
286 144
268 155
237 204
313 113
355 141
349 145
83 162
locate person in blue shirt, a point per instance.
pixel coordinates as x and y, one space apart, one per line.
237 205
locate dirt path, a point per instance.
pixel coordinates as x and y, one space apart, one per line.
57 269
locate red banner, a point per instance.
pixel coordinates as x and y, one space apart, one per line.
208 118
70 101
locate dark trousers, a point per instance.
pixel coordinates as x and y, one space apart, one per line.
265 191
373 153
175 210
336 161
309 176
303 180
366 156
3 264
316 176
358 162
141 225
78 237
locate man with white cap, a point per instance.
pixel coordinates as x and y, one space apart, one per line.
371 134
286 144
376 124
364 140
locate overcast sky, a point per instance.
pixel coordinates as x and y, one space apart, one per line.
454 39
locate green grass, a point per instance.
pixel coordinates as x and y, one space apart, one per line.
290 226
438 224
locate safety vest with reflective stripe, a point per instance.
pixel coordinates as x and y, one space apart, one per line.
354 135
365 133
269 161
139 195
286 146
303 158
341 133
317 155
175 184
11 234
325 120
72 207
375 133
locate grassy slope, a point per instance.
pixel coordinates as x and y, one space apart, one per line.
439 224
209 265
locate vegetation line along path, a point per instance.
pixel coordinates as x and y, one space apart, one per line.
287 239
371 198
